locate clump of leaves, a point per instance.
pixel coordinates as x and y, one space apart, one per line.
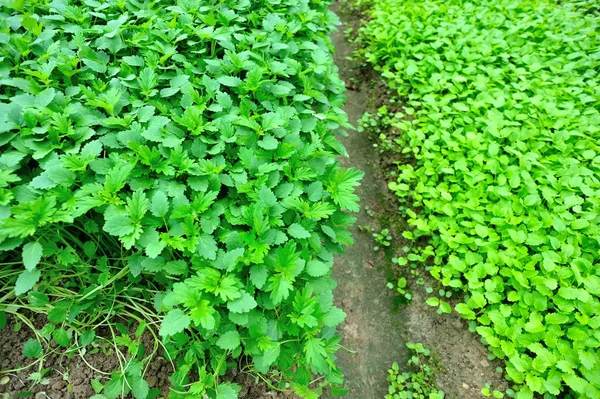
487 391
177 159
402 289
380 126
439 301
418 381
381 237
504 130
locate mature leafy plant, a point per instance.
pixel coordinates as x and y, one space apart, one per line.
503 98
418 382
176 159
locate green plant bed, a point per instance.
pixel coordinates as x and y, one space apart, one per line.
503 123
173 163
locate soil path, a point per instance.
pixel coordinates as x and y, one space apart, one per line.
373 328
370 328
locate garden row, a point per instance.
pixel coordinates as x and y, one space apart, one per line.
170 167
500 171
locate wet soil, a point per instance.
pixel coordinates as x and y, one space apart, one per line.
375 327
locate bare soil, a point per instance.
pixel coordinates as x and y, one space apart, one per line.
69 378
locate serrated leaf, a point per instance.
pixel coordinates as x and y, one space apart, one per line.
145 113
268 142
297 231
266 197
61 337
147 80
61 175
230 259
243 304
26 280
32 348
140 388
432 301
315 191
518 236
227 391
333 317
229 340
280 287
87 337
258 275
43 181
316 268
155 247
32 254
207 247
137 206
113 388
481 231
342 186
135 60
135 265
160 204
94 65
281 89
11 158
314 350
229 81
174 322
175 267
576 383
118 225
202 314
116 177
228 289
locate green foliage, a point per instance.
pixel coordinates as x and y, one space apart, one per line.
502 98
418 382
488 392
402 289
382 238
177 158
32 348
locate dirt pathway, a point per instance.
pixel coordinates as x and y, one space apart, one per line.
370 328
